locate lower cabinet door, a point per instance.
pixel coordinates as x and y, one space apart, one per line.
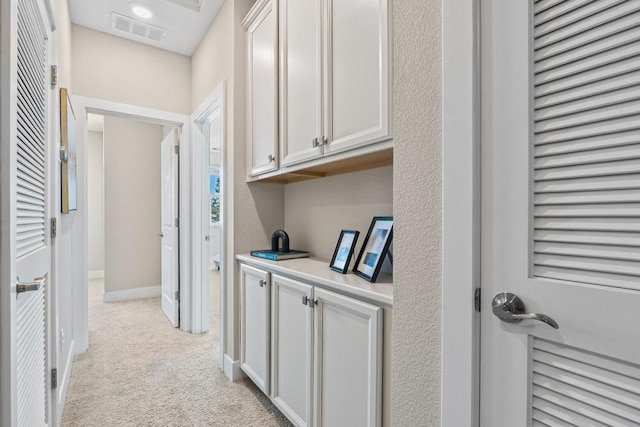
348 362
255 316
291 349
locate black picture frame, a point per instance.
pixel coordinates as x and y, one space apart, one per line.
374 249
344 251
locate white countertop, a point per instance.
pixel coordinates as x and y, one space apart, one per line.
318 273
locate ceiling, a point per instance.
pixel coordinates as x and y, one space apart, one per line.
185 21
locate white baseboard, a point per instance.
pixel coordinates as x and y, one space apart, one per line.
232 369
63 382
129 294
96 274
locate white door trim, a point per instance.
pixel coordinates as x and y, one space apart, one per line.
201 219
461 202
84 105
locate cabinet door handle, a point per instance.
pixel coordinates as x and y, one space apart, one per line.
325 141
271 158
263 283
309 301
315 142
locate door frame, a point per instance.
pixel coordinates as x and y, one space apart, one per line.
216 100
84 105
460 384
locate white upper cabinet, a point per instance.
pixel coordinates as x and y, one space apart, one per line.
357 74
333 86
334 81
300 79
262 88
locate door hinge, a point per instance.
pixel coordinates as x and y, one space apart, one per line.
177 295
54 76
54 227
177 222
476 299
54 378
176 148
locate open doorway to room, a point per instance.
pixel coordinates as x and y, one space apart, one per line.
133 236
209 136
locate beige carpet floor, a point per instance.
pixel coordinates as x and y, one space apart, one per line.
140 371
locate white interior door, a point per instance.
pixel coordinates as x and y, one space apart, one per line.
561 212
26 207
170 234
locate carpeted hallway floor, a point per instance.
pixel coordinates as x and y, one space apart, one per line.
140 371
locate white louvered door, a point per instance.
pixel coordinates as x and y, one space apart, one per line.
26 176
561 211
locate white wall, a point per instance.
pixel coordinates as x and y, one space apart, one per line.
95 172
120 70
132 203
417 201
316 210
66 258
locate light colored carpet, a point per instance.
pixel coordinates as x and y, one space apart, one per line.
140 371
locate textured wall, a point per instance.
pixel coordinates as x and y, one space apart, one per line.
316 210
95 178
417 198
132 187
212 62
115 69
258 209
251 211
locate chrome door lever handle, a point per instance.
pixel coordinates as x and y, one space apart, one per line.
30 286
509 308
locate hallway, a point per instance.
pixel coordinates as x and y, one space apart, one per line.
140 371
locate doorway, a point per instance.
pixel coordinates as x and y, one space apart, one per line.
209 133
84 106
132 210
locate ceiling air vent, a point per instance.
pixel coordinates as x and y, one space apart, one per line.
140 29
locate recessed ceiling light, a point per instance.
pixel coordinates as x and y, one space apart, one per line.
141 10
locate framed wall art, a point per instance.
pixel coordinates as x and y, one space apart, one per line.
374 248
344 251
68 154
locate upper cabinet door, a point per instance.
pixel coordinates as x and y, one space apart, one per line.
300 80
357 74
262 86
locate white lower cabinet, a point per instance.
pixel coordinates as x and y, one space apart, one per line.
348 361
326 351
255 330
292 326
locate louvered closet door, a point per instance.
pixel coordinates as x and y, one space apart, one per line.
30 201
561 211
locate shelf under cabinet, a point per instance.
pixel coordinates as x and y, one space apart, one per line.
328 166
